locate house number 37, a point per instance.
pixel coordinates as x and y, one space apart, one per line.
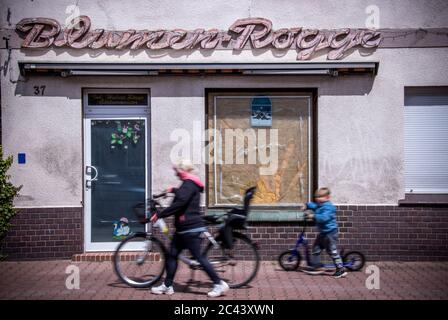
39 90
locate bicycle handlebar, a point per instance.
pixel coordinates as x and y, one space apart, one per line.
160 195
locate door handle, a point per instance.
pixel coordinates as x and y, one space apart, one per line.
89 171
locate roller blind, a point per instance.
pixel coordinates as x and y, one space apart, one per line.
426 139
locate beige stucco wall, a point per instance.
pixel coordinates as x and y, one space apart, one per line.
360 129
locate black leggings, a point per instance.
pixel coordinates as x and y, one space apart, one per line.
192 242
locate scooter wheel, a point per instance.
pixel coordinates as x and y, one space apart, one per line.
289 260
354 260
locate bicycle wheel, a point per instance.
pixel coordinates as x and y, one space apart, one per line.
289 260
236 266
139 260
354 260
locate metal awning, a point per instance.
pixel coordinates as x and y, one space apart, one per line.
155 69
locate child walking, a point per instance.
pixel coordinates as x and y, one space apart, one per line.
324 213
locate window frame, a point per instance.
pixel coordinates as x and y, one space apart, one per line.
419 198
313 168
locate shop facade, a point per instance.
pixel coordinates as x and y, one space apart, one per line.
95 110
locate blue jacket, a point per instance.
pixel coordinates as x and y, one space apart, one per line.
325 216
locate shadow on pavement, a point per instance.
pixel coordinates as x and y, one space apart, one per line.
121 285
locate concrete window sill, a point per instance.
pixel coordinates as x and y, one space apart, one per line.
267 215
424 199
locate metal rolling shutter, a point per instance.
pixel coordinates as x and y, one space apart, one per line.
426 139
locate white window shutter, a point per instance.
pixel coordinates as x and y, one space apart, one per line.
426 140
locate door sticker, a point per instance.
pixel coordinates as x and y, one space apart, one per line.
121 229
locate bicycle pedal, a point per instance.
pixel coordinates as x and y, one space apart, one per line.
195 264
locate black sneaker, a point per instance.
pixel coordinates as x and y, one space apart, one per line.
340 273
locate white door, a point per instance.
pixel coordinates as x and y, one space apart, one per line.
115 173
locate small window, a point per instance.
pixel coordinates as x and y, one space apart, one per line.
426 140
260 139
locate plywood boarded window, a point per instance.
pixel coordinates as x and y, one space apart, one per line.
263 140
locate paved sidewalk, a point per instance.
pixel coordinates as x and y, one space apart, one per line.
46 280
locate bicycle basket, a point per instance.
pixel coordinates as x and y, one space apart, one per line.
140 212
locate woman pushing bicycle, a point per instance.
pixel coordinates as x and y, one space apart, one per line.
189 226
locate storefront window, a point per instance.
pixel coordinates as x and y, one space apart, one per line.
263 140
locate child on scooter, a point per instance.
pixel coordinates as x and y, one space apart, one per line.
324 214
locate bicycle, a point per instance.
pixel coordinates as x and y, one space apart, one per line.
139 260
290 259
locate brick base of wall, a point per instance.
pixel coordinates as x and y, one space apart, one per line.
45 233
380 232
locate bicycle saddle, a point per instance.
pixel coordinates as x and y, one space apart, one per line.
211 219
